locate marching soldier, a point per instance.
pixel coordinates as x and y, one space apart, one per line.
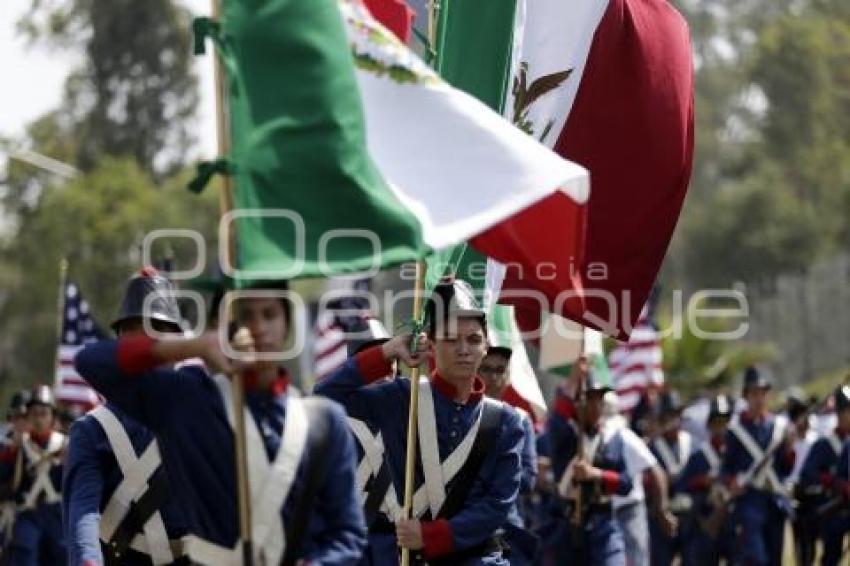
817 478
841 486
713 535
798 409
584 529
18 424
301 465
33 464
116 500
672 448
495 371
469 446
759 457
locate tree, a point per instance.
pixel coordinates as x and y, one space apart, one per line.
136 91
769 193
98 222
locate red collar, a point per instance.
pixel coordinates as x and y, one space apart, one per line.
448 390
565 407
41 438
251 383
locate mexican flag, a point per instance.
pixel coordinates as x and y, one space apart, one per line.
350 154
608 84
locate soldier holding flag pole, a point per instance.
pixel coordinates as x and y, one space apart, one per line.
300 453
589 465
467 469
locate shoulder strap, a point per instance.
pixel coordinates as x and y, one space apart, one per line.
133 506
258 462
670 462
485 442
747 441
429 448
376 493
684 448
270 482
834 443
318 443
143 516
711 457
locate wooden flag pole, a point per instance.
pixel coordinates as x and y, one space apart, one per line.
413 411
60 316
412 419
243 489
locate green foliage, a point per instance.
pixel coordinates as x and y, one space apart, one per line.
770 192
753 230
693 362
98 222
825 384
136 89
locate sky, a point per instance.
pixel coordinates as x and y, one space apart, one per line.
34 78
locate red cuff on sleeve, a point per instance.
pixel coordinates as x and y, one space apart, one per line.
372 365
90 563
826 480
437 537
610 481
565 407
699 483
135 354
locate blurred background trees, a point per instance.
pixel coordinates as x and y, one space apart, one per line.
125 124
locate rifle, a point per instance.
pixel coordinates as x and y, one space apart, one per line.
726 503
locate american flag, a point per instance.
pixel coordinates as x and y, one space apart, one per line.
340 316
78 329
636 364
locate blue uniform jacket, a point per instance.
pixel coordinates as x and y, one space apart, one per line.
185 410
842 471
91 476
45 520
697 477
737 460
610 456
819 469
602 541
8 461
385 407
